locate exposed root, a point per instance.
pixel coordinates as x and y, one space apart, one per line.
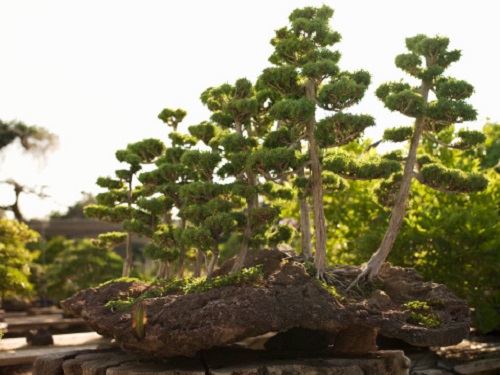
321 276
331 279
368 274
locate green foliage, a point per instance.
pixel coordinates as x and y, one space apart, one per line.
341 129
345 165
111 239
453 89
469 139
172 117
15 258
401 98
490 152
452 180
205 131
345 91
401 134
293 111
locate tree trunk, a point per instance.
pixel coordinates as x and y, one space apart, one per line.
198 265
372 268
240 259
317 190
127 263
160 274
213 262
182 254
305 222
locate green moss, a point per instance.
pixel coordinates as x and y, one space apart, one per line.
331 289
246 277
118 280
421 314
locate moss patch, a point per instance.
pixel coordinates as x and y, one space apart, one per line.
246 277
421 314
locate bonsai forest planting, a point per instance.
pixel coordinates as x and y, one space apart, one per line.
283 140
238 212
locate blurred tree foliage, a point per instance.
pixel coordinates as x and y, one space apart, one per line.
76 265
15 258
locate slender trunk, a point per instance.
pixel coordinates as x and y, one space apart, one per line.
198 265
213 262
251 203
160 274
305 222
317 190
168 270
372 268
127 263
240 259
305 217
182 253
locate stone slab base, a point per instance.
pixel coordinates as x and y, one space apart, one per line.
221 362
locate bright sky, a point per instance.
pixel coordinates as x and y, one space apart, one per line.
97 73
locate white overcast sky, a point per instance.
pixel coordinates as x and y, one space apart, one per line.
98 72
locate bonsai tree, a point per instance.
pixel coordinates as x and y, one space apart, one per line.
242 120
162 188
117 205
15 258
436 104
306 77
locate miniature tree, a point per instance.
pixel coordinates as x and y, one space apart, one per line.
437 103
307 77
238 111
117 205
162 187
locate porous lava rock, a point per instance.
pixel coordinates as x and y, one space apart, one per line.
289 299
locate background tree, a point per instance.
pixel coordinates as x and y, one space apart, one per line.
490 153
75 211
118 204
34 140
437 103
77 265
15 258
308 78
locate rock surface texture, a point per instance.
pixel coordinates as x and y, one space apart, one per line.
287 301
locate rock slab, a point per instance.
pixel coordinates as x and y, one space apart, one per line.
346 321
